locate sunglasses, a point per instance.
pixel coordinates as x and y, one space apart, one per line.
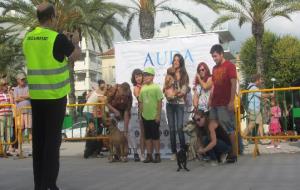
197 119
202 70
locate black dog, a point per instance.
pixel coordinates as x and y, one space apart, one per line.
182 158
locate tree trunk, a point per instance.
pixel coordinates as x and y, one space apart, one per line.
258 32
146 23
72 97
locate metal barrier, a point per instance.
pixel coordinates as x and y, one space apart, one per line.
75 120
7 131
79 119
288 100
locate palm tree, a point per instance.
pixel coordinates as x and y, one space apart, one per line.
146 10
94 19
11 60
256 12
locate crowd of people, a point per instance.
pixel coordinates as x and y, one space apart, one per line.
212 97
47 54
212 101
19 96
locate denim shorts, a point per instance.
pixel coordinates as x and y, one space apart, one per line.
224 117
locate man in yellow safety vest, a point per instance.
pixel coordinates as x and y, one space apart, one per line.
46 52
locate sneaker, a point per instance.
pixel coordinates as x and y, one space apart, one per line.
136 158
271 146
245 143
223 158
149 159
231 159
142 157
8 153
157 158
214 163
173 157
278 147
205 158
100 155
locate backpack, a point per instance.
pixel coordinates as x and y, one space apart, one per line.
244 101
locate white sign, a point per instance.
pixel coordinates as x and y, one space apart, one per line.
158 53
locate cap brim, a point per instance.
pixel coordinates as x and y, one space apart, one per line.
146 73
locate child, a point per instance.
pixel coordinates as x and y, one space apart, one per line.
150 109
169 90
274 127
137 82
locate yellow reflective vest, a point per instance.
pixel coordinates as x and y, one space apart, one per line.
47 77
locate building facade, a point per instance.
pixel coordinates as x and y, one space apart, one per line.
87 69
108 66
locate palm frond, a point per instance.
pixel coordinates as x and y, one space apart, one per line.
174 12
178 14
136 3
212 4
160 3
129 25
243 20
222 19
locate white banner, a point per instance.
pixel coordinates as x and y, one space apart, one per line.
158 53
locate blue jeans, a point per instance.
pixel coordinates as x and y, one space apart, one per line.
175 113
220 148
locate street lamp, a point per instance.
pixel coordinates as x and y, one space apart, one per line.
273 81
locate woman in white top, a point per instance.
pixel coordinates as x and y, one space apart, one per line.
202 88
95 96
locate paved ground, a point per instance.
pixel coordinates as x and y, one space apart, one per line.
274 170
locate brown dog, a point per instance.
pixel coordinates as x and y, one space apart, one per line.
118 144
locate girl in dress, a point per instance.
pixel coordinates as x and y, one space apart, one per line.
274 127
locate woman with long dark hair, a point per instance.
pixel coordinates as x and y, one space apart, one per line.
214 140
175 106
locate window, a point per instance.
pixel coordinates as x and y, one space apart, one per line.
93 76
80 76
93 58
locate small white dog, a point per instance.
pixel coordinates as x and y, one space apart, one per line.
190 130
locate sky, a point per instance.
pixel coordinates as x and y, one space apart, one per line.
280 26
